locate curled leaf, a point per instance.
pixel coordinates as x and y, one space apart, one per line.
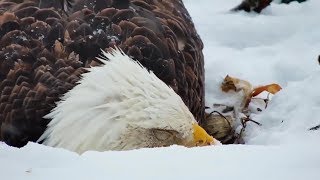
271 88
228 84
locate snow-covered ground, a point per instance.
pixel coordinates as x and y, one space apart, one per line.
281 45
222 162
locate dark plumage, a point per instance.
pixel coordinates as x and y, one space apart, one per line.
258 5
43 52
252 5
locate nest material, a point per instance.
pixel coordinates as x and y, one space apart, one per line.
224 121
221 127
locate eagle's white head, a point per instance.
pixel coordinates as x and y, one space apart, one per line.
121 106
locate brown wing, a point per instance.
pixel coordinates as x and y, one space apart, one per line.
43 52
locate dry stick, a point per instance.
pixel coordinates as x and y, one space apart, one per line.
267 101
218 105
241 131
315 128
244 125
245 120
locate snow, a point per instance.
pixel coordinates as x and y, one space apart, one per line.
281 45
224 162
290 115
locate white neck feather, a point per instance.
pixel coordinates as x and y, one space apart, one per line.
97 113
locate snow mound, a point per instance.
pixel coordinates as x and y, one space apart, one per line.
35 161
290 115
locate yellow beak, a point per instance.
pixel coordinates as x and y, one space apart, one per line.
201 137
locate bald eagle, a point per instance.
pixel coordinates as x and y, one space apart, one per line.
55 91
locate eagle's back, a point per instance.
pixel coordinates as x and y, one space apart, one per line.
46 45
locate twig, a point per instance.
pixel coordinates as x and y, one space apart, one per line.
315 128
245 120
267 101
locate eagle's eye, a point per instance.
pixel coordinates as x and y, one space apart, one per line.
163 135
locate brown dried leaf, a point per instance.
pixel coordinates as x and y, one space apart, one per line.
229 84
271 88
235 84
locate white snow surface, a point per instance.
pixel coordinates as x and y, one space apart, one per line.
280 45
